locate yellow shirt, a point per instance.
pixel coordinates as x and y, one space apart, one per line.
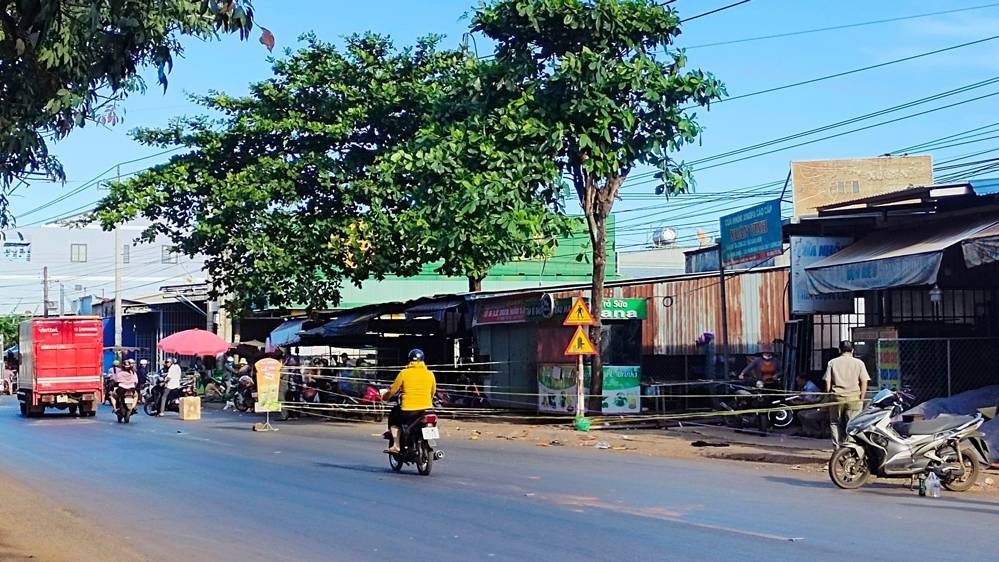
417 385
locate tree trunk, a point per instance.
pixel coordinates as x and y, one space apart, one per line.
599 239
475 283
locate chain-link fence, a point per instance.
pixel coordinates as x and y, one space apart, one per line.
931 368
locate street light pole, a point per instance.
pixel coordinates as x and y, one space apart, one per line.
117 281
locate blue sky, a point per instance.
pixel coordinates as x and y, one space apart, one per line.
230 65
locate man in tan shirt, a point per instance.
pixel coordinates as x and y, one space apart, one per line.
846 378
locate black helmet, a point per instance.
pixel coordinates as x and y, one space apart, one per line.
416 355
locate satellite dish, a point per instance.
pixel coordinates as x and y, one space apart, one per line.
664 237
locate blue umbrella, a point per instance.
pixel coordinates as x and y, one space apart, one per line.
13 349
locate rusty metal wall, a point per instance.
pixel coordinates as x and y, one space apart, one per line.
757 310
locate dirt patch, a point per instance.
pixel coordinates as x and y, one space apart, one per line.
36 528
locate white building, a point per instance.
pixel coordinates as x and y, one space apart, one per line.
81 262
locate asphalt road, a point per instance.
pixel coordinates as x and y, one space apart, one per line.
214 490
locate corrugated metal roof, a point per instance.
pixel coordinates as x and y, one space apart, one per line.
985 186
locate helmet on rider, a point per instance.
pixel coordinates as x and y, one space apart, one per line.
416 355
116 363
144 362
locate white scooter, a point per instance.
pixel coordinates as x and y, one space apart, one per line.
949 446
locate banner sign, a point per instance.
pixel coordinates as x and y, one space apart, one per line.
268 385
510 311
753 234
557 389
806 250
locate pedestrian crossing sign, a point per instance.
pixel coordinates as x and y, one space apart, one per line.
580 344
579 315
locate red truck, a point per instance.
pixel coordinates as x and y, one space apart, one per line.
61 364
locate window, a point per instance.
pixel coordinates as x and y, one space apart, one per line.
78 253
169 255
126 253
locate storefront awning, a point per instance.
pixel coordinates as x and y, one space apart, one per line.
892 258
982 248
286 334
351 323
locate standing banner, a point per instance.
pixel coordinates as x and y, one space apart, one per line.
268 384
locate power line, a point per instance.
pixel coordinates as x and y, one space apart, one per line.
851 131
715 11
837 27
855 70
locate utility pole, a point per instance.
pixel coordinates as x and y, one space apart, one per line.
117 281
45 291
62 299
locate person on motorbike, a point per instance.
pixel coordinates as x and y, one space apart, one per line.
763 368
125 379
417 385
142 372
174 374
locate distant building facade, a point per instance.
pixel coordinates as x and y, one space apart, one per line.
81 264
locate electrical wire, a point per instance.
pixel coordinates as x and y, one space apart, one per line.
838 27
853 71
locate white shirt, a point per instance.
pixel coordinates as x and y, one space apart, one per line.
174 374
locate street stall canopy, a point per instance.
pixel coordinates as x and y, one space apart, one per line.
982 247
194 342
893 258
287 333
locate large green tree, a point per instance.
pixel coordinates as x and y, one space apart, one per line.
9 326
337 170
66 63
605 80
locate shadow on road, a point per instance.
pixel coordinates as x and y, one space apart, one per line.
798 482
356 467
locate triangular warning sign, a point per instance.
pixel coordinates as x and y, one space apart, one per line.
579 315
580 344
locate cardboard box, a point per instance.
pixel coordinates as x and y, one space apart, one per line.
190 408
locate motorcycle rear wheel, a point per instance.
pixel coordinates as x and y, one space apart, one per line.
424 458
241 404
971 471
395 462
781 419
151 407
847 470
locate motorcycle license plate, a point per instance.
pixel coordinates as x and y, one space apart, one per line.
431 433
254 394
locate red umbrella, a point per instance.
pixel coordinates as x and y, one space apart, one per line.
194 342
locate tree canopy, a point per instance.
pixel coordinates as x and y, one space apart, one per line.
341 168
64 64
604 82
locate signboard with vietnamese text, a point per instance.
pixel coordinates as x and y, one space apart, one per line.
751 235
806 250
516 311
824 182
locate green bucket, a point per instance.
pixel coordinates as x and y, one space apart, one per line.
582 424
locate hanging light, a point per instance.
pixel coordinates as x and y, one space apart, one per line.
936 295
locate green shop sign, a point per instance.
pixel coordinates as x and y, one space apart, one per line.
613 309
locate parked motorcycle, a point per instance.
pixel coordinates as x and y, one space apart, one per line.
152 402
418 445
949 446
125 402
367 405
245 395
743 398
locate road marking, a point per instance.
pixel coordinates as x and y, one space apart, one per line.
663 514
